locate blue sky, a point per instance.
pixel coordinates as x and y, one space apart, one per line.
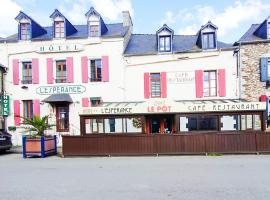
233 17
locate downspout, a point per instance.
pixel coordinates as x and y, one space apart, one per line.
239 65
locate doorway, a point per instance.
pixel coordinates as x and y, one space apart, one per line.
159 124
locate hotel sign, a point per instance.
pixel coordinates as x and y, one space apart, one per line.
175 107
5 105
59 48
61 89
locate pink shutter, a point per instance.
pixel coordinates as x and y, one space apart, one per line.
84 64
36 107
35 70
199 83
70 72
15 72
85 102
105 68
222 82
146 86
17 119
163 77
49 70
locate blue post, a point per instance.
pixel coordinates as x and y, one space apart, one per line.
24 146
42 147
55 144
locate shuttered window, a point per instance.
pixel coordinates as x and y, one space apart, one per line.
61 72
155 85
95 70
28 109
27 73
209 83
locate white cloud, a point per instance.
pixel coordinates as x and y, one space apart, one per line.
109 9
8 11
169 18
228 19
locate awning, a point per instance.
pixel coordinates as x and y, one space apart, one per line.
54 98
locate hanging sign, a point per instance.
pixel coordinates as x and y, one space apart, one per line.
61 89
5 105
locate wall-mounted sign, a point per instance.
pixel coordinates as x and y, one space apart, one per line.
5 105
59 48
180 77
174 107
61 89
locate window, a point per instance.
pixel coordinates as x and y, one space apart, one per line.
209 84
113 125
25 29
199 123
59 28
95 101
94 30
27 73
62 118
1 83
95 70
268 71
208 41
268 30
155 85
165 43
61 72
28 109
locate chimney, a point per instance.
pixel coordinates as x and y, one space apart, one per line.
127 21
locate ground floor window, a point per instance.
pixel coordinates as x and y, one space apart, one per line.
28 109
199 123
62 118
113 125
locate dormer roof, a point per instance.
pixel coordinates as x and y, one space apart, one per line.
103 26
165 28
69 28
209 24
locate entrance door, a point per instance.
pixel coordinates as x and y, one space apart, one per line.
159 124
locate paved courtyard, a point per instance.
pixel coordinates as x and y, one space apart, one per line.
241 177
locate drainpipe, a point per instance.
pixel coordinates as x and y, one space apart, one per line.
239 65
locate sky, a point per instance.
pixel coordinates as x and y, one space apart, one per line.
232 17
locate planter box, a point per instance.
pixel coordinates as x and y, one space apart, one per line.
40 147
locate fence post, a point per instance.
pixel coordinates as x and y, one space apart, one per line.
24 146
42 147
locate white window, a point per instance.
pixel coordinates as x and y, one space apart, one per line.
94 29
164 43
268 30
208 41
25 31
268 68
59 28
209 83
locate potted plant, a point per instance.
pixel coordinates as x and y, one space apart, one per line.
36 143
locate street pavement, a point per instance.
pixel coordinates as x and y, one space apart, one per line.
228 177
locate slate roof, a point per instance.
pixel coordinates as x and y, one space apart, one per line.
249 36
54 98
114 30
146 44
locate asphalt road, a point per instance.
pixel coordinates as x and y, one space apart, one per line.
243 177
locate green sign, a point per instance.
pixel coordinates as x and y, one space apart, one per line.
5 105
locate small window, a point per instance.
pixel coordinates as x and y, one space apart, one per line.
28 109
94 30
198 123
164 43
155 85
27 73
61 72
95 70
25 29
209 41
209 84
95 101
59 28
62 118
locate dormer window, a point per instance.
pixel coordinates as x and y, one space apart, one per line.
59 28
25 31
268 30
208 40
94 29
165 43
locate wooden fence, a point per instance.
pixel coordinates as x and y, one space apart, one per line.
140 144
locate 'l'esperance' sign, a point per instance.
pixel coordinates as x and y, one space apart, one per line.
61 89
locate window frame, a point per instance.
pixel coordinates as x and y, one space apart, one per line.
209 83
29 114
207 45
165 42
62 78
96 73
155 79
58 122
58 30
95 32
25 31
28 67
